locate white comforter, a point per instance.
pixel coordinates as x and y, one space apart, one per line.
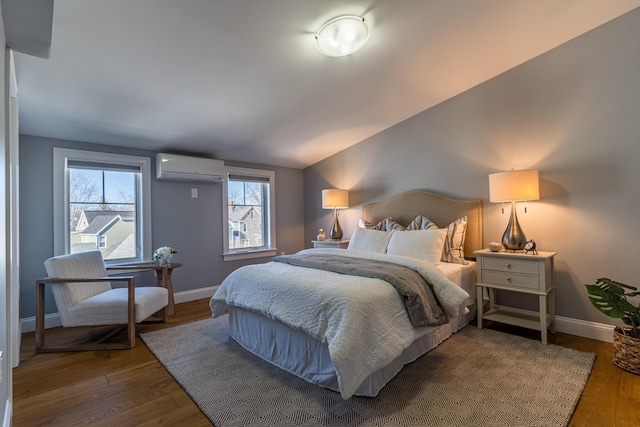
362 320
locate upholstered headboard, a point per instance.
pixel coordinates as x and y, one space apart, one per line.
404 207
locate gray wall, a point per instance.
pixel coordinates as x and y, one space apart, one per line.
572 113
192 226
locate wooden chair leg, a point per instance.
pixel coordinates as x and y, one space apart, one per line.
39 315
131 325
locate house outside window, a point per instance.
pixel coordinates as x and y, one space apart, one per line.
102 202
249 216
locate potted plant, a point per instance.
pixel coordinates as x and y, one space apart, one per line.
611 298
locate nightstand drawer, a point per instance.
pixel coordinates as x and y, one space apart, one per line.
523 281
339 244
510 265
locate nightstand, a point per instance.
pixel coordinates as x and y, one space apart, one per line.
341 244
517 272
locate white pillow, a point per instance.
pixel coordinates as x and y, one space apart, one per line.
365 239
421 244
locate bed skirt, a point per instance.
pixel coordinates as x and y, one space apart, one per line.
308 358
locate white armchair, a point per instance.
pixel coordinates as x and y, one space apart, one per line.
84 297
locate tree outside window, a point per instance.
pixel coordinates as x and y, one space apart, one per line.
102 212
249 214
102 201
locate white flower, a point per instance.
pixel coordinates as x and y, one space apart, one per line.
164 253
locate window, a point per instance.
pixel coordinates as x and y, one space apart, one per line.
249 213
102 202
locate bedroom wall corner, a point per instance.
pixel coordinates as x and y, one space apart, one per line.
571 113
192 225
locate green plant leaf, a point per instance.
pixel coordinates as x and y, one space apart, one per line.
610 298
608 303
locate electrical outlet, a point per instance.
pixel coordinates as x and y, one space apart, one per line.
194 193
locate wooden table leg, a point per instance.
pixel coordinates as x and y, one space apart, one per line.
164 280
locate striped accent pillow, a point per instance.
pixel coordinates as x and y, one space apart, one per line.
421 223
386 224
454 243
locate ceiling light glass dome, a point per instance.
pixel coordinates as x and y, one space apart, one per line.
342 35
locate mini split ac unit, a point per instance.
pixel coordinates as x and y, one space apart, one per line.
185 168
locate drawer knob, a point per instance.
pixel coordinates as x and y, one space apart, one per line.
509 279
508 265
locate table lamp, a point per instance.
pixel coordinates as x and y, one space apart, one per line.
335 199
514 186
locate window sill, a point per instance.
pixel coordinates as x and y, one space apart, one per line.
249 254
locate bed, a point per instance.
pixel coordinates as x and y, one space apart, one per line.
354 333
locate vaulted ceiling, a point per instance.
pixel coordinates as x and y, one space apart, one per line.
243 80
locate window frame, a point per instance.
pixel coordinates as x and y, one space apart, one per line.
269 249
61 157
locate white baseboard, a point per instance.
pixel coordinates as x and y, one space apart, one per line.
195 294
567 325
580 328
52 320
7 414
28 324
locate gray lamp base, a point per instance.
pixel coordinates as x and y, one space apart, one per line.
336 231
513 238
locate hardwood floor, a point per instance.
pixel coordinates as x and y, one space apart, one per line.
131 388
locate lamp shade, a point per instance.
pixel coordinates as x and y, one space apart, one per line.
335 199
514 186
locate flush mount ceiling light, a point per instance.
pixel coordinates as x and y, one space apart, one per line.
342 35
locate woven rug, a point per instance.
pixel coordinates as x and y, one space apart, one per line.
475 378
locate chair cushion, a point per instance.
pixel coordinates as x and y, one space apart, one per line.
110 307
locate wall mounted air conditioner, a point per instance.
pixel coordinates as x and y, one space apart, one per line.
185 168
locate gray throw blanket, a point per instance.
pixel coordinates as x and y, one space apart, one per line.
422 306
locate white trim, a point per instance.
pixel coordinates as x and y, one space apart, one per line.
7 414
52 320
271 247
566 325
61 199
194 294
261 253
13 80
13 222
580 328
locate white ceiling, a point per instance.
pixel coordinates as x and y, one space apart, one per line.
242 79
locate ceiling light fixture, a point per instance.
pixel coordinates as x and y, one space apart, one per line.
342 35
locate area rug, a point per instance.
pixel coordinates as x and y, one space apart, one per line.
475 378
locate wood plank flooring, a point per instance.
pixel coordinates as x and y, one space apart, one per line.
131 388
